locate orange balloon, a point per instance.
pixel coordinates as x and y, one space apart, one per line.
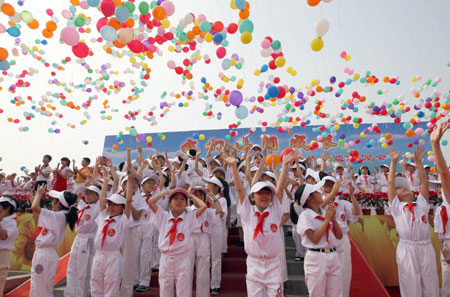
410 133
47 33
159 13
51 25
129 23
313 2
118 44
115 147
8 9
388 136
3 54
34 24
273 160
445 106
113 22
244 14
75 2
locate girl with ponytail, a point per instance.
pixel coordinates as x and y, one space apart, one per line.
50 233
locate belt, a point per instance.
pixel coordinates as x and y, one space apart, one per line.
327 251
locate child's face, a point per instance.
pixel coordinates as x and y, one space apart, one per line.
310 180
213 188
339 170
203 162
405 195
64 163
2 177
84 163
385 169
91 197
219 174
161 161
56 205
411 168
134 186
314 199
213 165
364 170
148 186
45 160
328 186
295 173
199 194
267 178
115 209
178 203
262 198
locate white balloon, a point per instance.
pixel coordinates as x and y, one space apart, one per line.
266 53
322 27
327 1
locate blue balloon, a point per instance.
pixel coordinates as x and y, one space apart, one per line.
122 14
273 91
93 3
108 33
218 38
240 4
13 31
4 65
241 112
226 64
264 68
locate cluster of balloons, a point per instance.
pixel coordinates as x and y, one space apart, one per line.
321 28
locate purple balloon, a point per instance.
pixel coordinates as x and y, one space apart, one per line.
236 98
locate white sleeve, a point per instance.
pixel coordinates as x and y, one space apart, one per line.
159 218
395 206
244 209
438 226
304 223
50 219
349 212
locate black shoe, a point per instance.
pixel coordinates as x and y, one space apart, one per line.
299 259
155 269
134 287
240 243
288 233
141 288
214 292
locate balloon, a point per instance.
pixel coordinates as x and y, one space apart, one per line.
122 14
136 46
13 31
205 26
241 112
70 36
168 7
221 52
3 54
273 91
273 160
7 9
246 37
4 65
226 64
280 61
80 50
286 152
159 13
26 16
322 26
2 28
125 35
107 7
143 7
246 26
235 98
317 44
171 64
240 4
313 2
108 33
410 133
93 3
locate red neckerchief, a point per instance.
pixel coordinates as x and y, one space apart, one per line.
259 226
173 231
105 229
365 178
81 213
410 207
411 177
444 217
320 218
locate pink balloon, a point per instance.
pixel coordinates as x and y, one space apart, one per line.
108 8
136 46
169 7
221 52
84 5
80 50
201 18
171 64
2 29
101 22
70 36
66 14
266 44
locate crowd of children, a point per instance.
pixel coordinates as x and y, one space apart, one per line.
171 215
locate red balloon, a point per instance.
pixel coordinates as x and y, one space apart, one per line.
281 92
108 8
272 65
232 28
218 26
221 52
101 22
136 46
80 50
286 152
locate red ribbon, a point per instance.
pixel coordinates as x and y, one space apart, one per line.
37 232
444 217
105 229
411 178
173 231
320 218
386 175
410 207
365 177
259 226
81 213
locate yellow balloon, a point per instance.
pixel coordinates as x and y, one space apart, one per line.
280 61
208 37
246 37
149 139
317 44
257 72
232 5
384 145
201 137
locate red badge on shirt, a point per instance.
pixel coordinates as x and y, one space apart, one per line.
88 217
111 232
44 231
206 224
274 228
424 219
343 217
180 237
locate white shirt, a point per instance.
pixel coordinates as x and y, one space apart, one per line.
308 221
343 177
344 213
9 188
413 180
206 221
9 224
87 213
223 203
183 240
54 226
382 181
408 229
438 222
138 202
47 170
361 181
115 232
268 243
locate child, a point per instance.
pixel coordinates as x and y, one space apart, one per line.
364 182
112 225
319 231
200 254
416 259
8 233
80 263
175 241
52 225
260 222
61 175
81 175
43 172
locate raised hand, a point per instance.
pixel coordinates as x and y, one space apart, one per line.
331 212
393 154
419 153
229 158
438 132
41 189
289 158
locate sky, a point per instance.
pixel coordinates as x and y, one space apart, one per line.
389 38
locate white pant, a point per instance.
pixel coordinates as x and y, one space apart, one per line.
145 250
299 249
445 290
263 277
283 264
44 263
323 275
130 261
5 258
216 256
345 256
224 235
79 268
174 276
156 254
200 254
417 271
106 274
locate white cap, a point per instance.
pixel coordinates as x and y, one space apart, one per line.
384 165
175 160
179 190
200 188
426 166
367 166
117 199
153 177
209 160
435 181
261 185
214 180
253 168
241 165
256 146
9 200
330 178
219 169
60 197
313 174
337 165
411 164
401 182
308 190
94 189
269 173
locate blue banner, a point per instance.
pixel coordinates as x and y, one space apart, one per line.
365 139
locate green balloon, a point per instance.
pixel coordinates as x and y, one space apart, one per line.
79 21
143 8
205 26
246 26
131 7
